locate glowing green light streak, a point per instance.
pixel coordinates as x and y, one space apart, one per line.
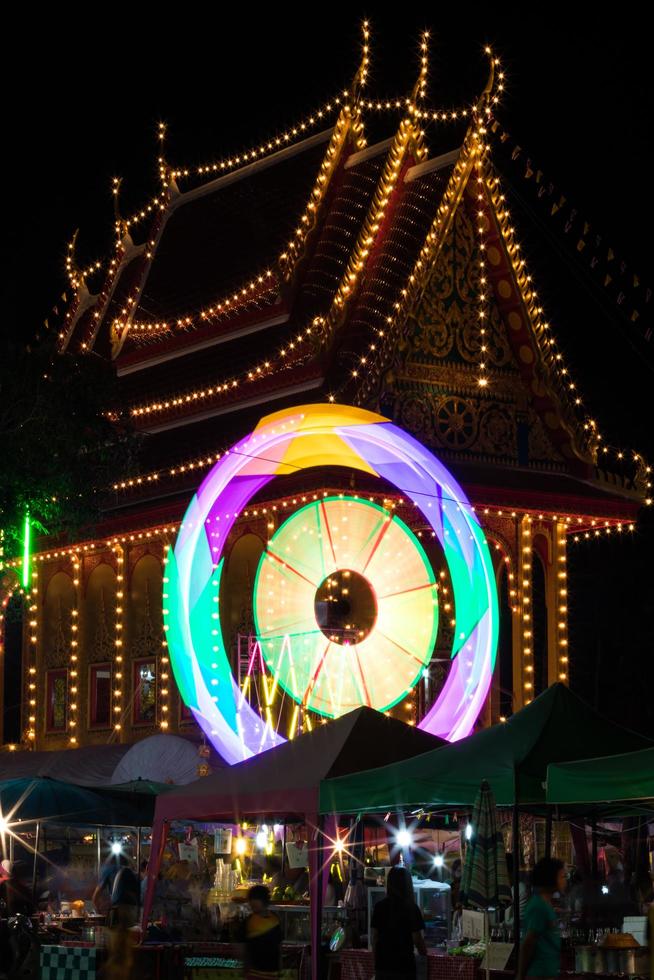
26 551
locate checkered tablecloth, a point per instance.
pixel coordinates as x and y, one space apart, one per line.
358 964
68 963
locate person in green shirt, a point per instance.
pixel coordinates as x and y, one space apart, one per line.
540 948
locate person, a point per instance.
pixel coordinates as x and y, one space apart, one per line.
16 894
101 897
124 895
540 949
263 937
523 891
455 885
397 927
143 874
122 916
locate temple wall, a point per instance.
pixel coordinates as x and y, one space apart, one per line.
96 639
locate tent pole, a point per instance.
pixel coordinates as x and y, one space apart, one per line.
98 850
593 847
138 862
548 833
36 857
283 850
316 874
516 868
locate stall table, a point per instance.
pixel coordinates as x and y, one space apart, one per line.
224 961
358 964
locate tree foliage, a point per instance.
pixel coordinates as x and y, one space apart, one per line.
59 447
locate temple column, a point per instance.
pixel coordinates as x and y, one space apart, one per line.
558 608
523 649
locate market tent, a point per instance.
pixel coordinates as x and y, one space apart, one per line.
556 727
615 778
93 765
140 795
284 782
42 799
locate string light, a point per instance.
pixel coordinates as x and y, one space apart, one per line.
348 130
117 699
164 659
32 656
478 151
291 351
525 561
262 285
588 432
73 689
561 601
289 137
408 137
77 277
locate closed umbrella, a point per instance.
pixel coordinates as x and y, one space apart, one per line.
485 881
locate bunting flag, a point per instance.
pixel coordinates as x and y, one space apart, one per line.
624 285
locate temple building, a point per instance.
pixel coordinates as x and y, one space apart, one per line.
365 257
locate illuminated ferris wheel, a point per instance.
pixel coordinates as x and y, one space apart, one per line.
345 600
345 607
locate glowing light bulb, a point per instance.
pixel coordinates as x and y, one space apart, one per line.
241 846
116 847
404 838
439 861
468 831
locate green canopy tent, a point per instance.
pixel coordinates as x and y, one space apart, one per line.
608 779
556 727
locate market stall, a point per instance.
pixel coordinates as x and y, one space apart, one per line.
616 778
55 836
514 757
283 785
557 726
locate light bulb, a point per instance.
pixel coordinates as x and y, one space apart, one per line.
404 838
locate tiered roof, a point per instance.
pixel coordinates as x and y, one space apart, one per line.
333 269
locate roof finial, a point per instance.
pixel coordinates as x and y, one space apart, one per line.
73 271
489 96
121 224
163 166
420 87
361 76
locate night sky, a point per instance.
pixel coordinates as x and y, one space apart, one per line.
84 106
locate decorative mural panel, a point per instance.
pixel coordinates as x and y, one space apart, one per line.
433 388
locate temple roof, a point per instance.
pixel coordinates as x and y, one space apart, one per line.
336 269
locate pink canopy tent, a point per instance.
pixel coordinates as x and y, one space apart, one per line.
283 784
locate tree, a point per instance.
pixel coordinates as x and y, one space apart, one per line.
60 449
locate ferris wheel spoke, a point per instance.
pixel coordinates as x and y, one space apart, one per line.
405 650
290 629
323 511
413 588
384 528
316 674
290 567
366 693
